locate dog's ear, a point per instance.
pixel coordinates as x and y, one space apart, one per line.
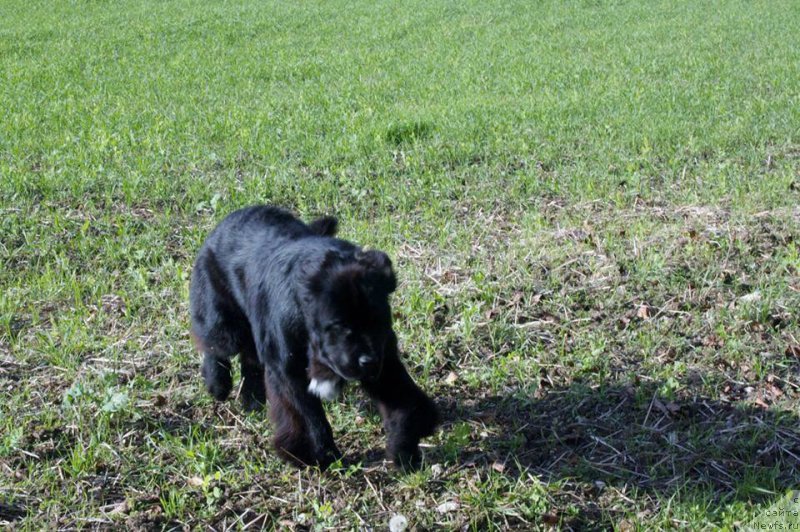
378 276
325 226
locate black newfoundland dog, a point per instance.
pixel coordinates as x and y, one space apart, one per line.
305 312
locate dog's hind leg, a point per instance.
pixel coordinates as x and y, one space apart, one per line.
218 340
253 394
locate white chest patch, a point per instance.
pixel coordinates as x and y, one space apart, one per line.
327 390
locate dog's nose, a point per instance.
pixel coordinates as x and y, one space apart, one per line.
368 364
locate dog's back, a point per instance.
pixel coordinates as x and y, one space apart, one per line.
245 235
263 223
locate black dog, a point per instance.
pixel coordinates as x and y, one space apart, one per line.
305 312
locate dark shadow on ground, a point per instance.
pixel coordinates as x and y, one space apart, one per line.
10 512
628 437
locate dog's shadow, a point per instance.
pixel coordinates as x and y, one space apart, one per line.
626 436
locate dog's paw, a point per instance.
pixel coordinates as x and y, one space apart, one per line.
298 451
407 459
217 376
251 403
325 389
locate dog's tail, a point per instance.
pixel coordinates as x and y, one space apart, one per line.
325 226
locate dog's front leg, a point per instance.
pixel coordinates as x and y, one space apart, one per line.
408 414
302 432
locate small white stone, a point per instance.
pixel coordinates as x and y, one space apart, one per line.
327 390
398 523
751 297
445 507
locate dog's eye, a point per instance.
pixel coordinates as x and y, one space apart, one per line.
335 329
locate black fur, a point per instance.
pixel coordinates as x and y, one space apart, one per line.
297 304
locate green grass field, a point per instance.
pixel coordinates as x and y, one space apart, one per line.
592 206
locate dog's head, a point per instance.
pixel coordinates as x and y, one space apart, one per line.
347 310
